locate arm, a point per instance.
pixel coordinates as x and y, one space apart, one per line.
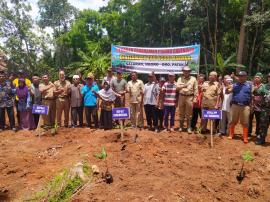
45 88
195 91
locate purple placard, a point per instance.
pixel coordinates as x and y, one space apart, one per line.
121 113
40 109
211 114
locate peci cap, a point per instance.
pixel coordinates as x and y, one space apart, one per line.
90 75
186 68
242 73
119 71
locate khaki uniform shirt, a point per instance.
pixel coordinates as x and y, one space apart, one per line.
192 86
48 94
66 85
135 89
211 91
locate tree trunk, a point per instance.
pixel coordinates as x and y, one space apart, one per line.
252 52
242 37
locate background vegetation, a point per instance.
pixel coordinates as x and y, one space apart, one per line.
231 32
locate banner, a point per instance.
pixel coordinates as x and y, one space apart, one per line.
158 60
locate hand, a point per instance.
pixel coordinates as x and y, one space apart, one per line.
195 100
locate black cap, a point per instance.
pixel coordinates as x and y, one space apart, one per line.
119 71
242 73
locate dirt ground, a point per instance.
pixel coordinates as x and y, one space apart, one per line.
156 167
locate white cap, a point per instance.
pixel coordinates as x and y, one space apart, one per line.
76 77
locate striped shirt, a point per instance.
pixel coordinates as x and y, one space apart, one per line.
169 90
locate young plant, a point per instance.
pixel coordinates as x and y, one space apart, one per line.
102 154
247 156
108 178
54 129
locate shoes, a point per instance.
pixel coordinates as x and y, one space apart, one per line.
165 130
189 130
260 140
1 130
156 130
180 129
172 129
206 131
14 129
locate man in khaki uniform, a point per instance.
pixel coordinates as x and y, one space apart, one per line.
188 89
135 88
46 89
62 93
210 97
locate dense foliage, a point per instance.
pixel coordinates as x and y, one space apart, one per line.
232 33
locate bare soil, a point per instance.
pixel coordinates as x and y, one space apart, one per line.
156 167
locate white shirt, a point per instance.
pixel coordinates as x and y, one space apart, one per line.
151 91
226 104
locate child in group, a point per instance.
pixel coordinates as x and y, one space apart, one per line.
170 100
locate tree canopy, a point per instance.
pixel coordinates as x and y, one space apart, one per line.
232 33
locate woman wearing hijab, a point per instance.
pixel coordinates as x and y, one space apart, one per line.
24 102
107 96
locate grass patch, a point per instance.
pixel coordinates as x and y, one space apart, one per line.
63 186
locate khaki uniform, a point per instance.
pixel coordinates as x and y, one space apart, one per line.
48 99
63 101
136 89
240 113
186 96
211 91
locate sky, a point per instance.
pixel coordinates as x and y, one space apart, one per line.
80 4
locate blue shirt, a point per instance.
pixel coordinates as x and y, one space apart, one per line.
89 98
242 93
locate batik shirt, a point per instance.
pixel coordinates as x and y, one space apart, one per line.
7 92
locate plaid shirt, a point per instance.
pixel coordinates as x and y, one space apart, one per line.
7 92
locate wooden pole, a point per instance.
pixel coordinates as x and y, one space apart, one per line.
38 133
122 130
211 125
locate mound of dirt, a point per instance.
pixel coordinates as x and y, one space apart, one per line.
145 167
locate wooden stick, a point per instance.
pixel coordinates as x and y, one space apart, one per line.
38 129
122 130
211 125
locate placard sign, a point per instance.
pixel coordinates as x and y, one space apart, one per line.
121 113
211 114
40 109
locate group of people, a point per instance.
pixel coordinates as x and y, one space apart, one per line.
239 100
